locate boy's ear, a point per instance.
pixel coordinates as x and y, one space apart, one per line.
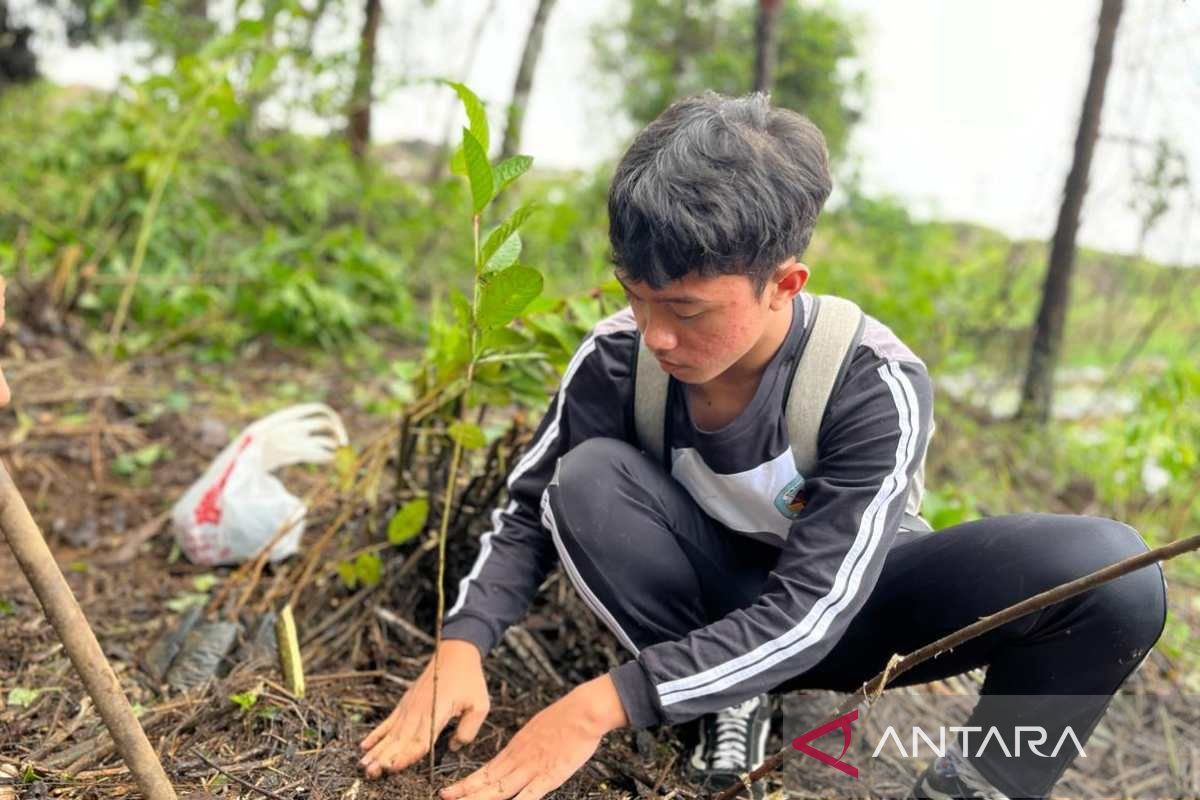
789 281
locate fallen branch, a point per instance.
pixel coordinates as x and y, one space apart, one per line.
242 781
404 625
898 665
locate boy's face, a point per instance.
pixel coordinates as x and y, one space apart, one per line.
699 327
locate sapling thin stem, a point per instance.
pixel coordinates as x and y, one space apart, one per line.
455 459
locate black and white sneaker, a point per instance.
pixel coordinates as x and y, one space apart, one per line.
952 777
731 743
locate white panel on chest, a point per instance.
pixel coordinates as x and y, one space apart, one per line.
743 501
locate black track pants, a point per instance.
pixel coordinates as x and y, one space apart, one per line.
655 567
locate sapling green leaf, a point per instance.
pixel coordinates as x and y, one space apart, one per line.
479 171
506 294
505 229
506 255
205 582
368 568
186 600
503 340
476 114
467 434
245 700
345 466
408 521
510 169
349 576
23 697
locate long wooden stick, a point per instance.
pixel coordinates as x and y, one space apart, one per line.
898 664
72 627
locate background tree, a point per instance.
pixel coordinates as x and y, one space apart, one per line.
659 50
1038 391
87 21
174 27
765 45
18 64
359 129
83 20
524 82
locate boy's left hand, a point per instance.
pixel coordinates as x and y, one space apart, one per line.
549 749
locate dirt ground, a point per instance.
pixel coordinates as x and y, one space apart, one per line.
104 519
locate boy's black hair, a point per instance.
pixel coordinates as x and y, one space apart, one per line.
717 185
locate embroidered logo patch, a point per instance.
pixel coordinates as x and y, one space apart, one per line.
791 501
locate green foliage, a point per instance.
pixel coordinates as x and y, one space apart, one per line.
1166 428
1163 180
345 466
129 464
506 293
1144 464
660 50
256 231
477 128
408 521
505 256
22 697
945 506
365 569
467 434
479 171
499 236
204 583
244 700
185 600
510 169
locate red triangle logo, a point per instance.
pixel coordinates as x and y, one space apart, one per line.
801 743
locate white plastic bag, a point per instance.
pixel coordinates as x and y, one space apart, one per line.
238 506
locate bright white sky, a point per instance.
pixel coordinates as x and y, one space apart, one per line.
971 114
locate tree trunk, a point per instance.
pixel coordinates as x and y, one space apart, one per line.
679 49
18 64
192 27
765 45
1037 395
524 82
359 129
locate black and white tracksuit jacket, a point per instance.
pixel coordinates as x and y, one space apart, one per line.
871 445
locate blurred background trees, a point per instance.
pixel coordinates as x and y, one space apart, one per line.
662 49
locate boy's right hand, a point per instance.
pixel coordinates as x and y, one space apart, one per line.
403 738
